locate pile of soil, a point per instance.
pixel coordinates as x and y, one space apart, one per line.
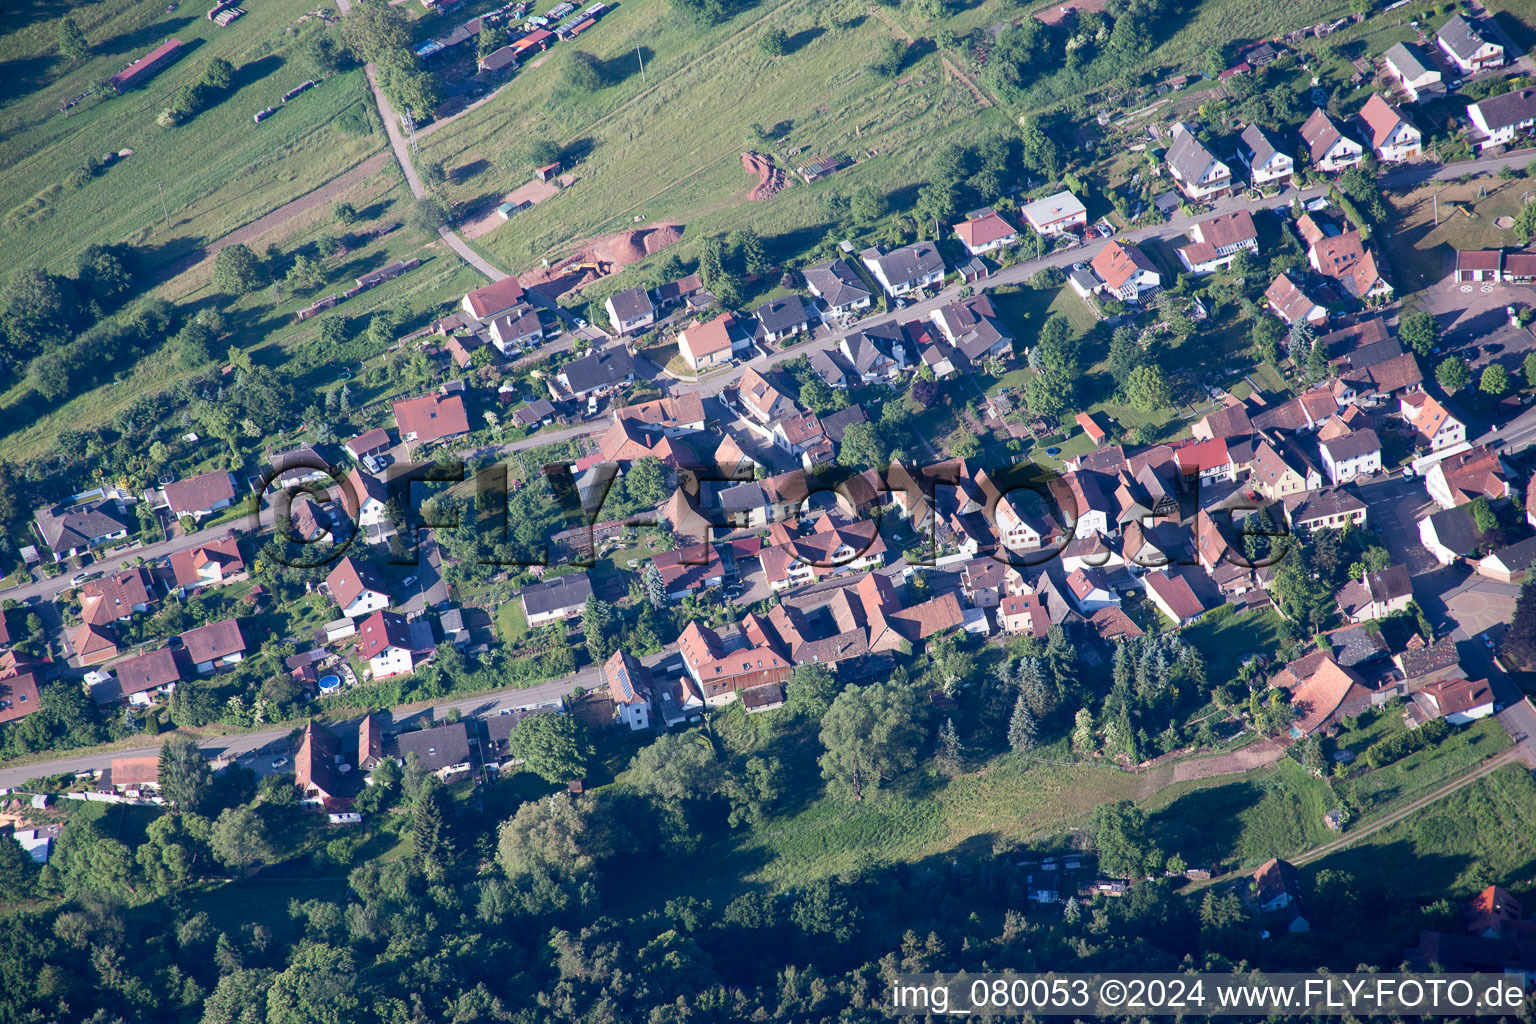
770 179
611 252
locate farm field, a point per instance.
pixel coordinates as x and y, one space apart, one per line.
220 170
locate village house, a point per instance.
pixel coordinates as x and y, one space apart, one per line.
365 498
1449 534
1194 168
687 290
1277 888
71 530
1265 155
114 598
1324 510
629 687
871 360
393 646
907 269
721 667
630 310
1285 297
782 318
1056 214
364 446
1180 594
563 597
673 416
201 495
517 329
1023 614
1126 271
834 547
216 645
1211 460
141 678
1347 260
442 750
1433 425
1349 455
1456 480
430 418
598 370
974 329
1458 701
1330 149
1391 135
213 563
1277 473
1217 241
689 568
19 679
1498 119
488 302
1415 74
985 230
1471 50
1375 595
761 400
357 588
319 767
715 343
838 286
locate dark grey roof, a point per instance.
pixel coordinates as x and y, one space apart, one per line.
598 369
438 747
1168 202
910 262
1260 144
837 283
64 528
1353 444
1317 504
500 726
1408 59
1508 108
1454 529
1518 556
1460 37
782 314
631 304
835 423
745 497
533 413
1357 644
863 351
827 366
1188 156
561 592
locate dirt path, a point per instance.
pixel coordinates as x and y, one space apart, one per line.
280 216
1254 755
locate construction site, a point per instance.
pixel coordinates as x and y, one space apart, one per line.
599 257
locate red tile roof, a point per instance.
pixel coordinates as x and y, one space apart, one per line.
984 230
490 299
432 417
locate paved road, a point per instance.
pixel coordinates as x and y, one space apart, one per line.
258 749
1519 720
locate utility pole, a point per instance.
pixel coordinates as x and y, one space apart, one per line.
164 208
641 58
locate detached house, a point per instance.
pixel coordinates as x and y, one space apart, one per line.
1056 215
1194 168
630 310
214 645
1458 701
1467 47
201 495
715 343
974 329
1459 479
516 330
1350 455
488 302
218 562
1265 155
629 687
838 286
1277 476
1418 77
1393 138
611 367
1346 259
782 317
1375 595
357 588
561 598
1432 422
1330 149
867 359
393 646
431 418
1217 241
1499 119
984 231
762 401
1291 304
1128 273
70 530
116 597
907 269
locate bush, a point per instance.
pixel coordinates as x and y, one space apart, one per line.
1394 747
581 72
889 56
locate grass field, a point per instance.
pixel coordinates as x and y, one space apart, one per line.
669 146
219 171
1423 253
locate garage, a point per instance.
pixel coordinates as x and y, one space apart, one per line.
1479 265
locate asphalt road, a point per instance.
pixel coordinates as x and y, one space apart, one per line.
257 750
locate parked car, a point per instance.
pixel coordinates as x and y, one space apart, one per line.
278 762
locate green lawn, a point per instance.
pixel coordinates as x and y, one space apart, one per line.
219 171
1225 637
511 626
1270 812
